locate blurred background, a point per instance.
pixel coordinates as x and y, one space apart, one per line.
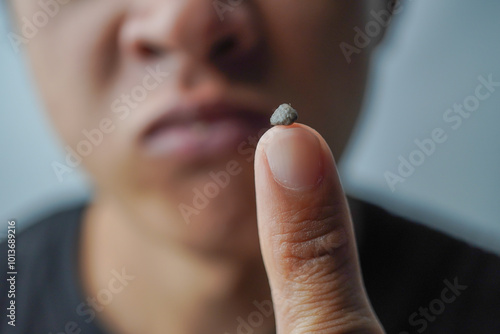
434 57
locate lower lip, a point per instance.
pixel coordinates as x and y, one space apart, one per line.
204 140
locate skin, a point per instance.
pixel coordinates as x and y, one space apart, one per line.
200 277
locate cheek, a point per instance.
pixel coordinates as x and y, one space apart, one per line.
305 38
66 56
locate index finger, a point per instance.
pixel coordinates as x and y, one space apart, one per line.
306 236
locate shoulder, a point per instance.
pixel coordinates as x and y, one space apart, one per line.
42 259
46 232
46 241
421 279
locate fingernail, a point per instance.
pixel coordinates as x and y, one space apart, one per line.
295 159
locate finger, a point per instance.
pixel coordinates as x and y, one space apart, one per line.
306 236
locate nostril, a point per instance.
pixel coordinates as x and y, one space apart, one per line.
223 47
149 50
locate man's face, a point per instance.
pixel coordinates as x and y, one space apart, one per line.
162 100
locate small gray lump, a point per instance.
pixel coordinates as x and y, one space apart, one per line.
284 115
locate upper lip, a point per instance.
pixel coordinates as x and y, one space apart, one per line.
189 112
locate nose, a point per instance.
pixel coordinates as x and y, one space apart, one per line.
201 30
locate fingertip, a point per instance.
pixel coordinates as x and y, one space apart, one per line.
296 156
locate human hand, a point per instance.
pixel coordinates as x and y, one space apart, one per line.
307 238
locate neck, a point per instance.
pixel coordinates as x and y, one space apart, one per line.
168 288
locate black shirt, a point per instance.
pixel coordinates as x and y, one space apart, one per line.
418 280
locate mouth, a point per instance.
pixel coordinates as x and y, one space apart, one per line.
190 133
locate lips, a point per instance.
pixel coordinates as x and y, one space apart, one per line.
202 131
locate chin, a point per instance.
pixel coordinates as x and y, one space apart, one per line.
228 224
207 207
